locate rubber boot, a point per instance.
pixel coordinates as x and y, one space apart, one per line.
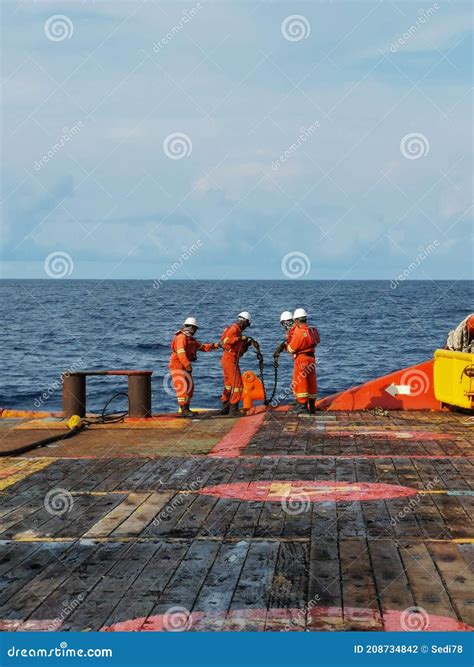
311 406
234 411
225 409
186 412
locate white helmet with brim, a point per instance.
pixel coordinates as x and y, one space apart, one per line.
299 314
244 315
191 322
285 316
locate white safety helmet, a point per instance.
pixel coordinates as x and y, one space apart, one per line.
285 316
299 314
191 322
244 315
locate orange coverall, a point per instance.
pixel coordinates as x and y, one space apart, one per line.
234 347
301 342
184 351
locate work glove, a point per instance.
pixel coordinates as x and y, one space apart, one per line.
243 338
217 345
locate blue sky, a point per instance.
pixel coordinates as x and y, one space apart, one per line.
342 88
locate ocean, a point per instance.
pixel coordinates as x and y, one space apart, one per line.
367 328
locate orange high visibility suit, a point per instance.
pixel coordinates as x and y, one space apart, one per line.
301 342
235 345
184 351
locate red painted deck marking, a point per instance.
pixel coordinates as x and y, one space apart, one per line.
306 492
290 620
236 440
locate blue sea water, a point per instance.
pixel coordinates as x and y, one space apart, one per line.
367 328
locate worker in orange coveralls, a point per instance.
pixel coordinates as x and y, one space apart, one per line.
184 351
301 343
235 345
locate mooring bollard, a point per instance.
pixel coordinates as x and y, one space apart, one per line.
139 392
74 395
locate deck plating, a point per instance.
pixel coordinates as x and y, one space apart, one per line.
139 542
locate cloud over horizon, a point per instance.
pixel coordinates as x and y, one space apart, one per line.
151 125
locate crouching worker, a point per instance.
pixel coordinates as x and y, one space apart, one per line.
235 345
301 343
184 351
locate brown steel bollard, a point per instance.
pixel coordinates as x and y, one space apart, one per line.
74 395
139 394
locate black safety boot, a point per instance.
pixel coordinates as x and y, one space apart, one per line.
225 409
186 412
311 406
234 410
301 408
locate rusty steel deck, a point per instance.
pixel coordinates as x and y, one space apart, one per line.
345 521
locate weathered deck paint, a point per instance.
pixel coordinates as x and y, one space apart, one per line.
297 491
234 442
141 545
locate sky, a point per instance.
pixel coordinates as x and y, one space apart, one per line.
231 140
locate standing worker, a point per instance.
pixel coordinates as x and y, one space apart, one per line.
235 345
184 351
301 343
286 321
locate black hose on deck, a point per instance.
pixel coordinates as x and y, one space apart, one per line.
42 443
105 418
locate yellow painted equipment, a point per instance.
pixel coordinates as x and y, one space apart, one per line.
454 378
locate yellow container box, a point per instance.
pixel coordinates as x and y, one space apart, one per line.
453 375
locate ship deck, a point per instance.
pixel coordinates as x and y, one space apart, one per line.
344 521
